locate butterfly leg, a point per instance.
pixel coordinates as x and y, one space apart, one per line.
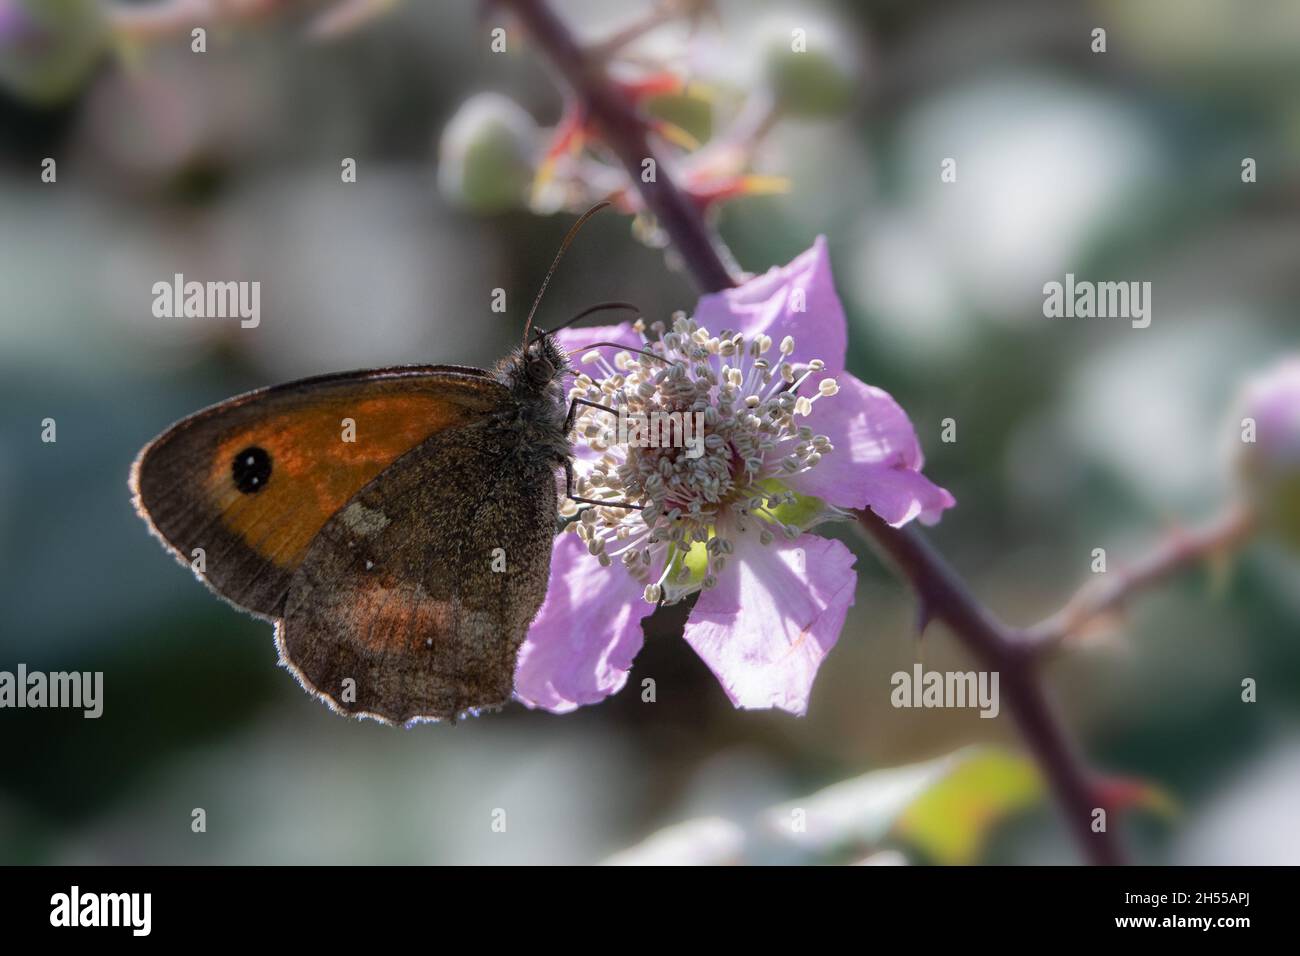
568 491
573 411
568 464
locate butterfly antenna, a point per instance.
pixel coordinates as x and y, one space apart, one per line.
627 348
591 310
568 238
623 348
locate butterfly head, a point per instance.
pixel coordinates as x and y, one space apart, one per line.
545 360
535 370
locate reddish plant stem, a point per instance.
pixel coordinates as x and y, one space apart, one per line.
629 34
624 131
942 594
1111 592
940 590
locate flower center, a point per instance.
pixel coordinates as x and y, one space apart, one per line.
696 501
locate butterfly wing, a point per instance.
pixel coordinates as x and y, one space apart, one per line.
240 490
413 600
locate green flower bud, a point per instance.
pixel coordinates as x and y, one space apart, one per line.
486 157
49 47
693 114
809 65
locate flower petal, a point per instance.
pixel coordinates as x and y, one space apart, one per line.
876 460
577 341
585 636
776 612
1273 400
798 300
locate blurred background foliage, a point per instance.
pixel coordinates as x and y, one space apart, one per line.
1072 435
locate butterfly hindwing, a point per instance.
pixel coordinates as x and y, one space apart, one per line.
240 490
385 619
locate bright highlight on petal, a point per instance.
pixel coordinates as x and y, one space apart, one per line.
767 627
797 300
877 461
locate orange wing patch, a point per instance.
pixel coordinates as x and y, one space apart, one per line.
313 471
245 528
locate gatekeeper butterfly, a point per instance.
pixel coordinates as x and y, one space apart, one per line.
402 569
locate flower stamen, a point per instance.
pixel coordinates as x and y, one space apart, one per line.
701 492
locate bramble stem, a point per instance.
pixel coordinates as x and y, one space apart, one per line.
626 134
1180 550
942 593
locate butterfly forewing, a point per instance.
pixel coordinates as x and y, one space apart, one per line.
239 491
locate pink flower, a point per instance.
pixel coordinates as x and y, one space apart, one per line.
790 440
1272 401
1268 459
18 29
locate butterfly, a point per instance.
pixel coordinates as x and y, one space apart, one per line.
403 568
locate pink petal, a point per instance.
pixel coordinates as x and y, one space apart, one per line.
585 636
769 304
877 459
577 341
1273 400
776 612
19 28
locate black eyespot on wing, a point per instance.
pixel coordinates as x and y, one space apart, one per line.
251 469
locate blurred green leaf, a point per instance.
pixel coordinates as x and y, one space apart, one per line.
953 818
694 114
854 813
